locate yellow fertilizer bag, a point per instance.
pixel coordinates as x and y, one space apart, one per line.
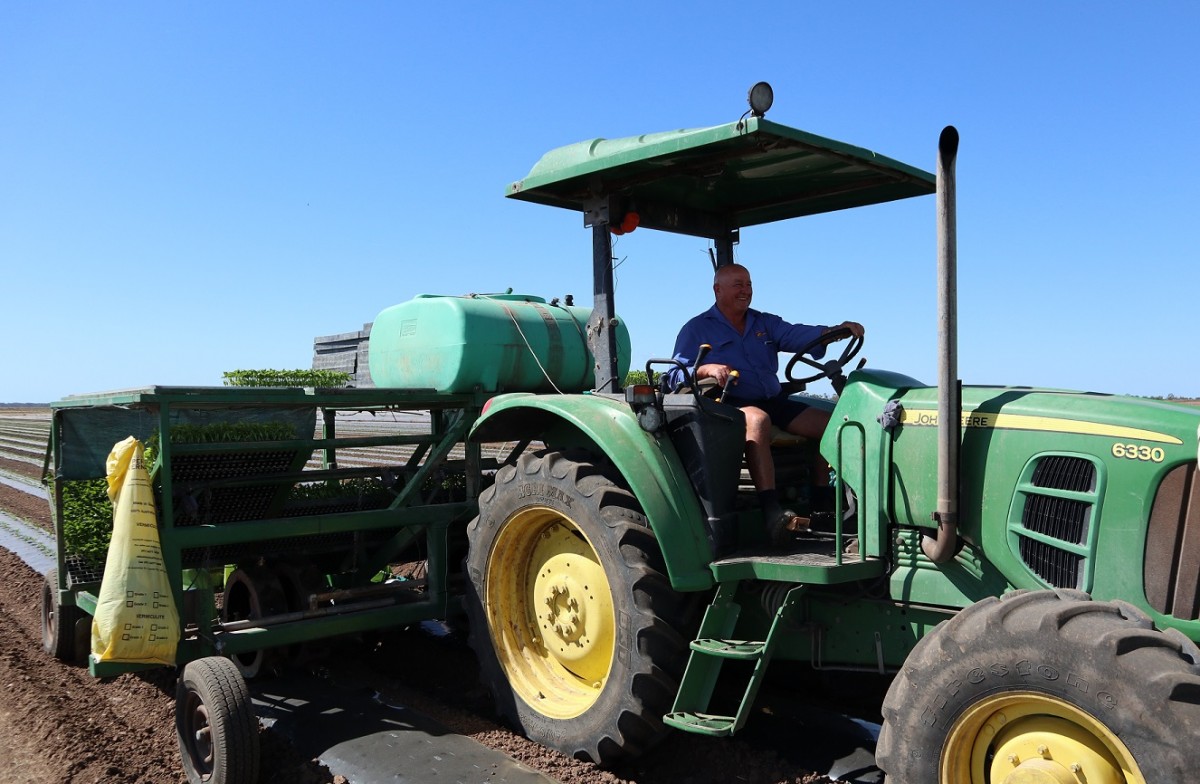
136 619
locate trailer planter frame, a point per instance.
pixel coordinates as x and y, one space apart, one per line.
230 503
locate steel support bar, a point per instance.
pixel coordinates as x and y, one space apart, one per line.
724 247
177 539
602 326
455 433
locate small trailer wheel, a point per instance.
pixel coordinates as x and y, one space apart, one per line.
215 724
251 593
298 582
58 622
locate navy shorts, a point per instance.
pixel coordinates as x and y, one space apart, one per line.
781 409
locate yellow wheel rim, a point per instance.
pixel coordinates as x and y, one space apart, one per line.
1031 738
550 611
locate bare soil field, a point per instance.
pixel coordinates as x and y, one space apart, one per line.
59 724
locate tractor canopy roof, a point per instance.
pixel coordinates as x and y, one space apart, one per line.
711 181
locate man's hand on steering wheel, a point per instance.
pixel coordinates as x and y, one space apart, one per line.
857 330
831 368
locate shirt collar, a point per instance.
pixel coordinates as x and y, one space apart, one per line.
715 313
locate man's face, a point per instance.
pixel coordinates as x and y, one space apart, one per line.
733 290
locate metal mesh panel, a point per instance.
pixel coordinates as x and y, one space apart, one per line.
196 504
1065 473
1066 520
1062 518
1057 567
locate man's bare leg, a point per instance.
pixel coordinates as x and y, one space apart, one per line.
811 423
762 472
758 448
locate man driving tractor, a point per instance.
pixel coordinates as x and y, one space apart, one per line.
743 359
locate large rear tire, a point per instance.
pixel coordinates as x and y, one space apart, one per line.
574 622
1045 686
215 724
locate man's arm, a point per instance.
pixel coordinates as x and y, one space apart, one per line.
687 346
856 329
793 337
694 334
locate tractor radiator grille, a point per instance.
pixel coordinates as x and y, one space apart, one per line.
1055 566
1065 473
1172 566
1062 518
1053 531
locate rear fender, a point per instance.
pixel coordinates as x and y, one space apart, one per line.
649 465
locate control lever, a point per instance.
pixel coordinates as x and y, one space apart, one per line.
733 376
700 355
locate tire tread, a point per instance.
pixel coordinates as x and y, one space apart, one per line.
1109 636
658 647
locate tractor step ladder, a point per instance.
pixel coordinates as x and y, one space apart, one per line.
710 652
823 563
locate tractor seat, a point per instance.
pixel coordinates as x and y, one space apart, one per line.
779 437
784 439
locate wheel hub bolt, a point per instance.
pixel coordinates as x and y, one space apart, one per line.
564 613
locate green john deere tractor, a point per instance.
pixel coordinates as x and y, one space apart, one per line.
1025 562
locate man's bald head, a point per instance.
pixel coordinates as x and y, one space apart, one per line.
724 272
733 291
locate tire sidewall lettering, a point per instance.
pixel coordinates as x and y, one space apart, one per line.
1033 652
526 493
542 494
623 636
1038 676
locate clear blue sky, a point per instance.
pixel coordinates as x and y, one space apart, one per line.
188 188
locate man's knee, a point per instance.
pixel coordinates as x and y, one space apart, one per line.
758 424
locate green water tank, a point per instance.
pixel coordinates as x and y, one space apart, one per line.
487 342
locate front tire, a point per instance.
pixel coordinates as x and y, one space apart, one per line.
1045 686
215 724
574 622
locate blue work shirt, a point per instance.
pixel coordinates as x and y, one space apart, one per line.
754 354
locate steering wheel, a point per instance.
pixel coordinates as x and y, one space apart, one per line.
830 368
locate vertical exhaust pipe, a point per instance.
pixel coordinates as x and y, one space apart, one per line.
942 547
